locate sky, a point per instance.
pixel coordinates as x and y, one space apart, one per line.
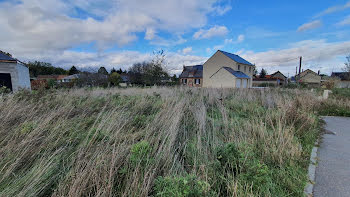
118 33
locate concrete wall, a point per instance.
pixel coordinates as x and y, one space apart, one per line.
19 75
217 61
343 84
258 83
23 77
311 78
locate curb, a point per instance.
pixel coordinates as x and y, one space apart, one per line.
308 190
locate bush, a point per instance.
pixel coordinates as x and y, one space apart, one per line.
140 153
181 187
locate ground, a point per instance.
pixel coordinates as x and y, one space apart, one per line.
159 141
332 172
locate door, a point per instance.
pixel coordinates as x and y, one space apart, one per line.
5 80
238 83
245 82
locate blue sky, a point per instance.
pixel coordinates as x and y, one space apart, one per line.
118 33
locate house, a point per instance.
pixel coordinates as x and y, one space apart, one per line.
125 80
13 73
57 78
344 79
275 79
192 76
227 70
70 78
309 77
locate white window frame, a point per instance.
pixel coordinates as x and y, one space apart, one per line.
197 81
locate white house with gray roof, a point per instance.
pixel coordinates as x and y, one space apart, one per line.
13 73
227 70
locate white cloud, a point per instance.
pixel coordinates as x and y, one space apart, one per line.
333 9
240 38
187 50
309 26
344 22
150 34
54 25
216 31
317 54
221 10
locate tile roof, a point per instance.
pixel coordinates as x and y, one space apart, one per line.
236 58
237 74
192 72
5 57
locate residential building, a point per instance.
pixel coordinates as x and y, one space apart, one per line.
192 76
227 70
343 79
13 73
125 80
275 79
309 77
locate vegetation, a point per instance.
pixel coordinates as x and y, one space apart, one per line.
42 68
263 73
158 142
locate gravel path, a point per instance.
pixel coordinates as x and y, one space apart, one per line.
333 169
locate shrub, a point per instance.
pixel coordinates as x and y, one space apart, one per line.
140 153
182 187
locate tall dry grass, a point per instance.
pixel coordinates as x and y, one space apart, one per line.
156 142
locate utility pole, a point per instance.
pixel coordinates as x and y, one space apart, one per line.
301 58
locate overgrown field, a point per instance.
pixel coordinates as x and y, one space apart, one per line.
158 142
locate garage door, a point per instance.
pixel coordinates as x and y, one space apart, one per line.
245 82
5 80
238 83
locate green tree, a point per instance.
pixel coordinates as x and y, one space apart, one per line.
115 78
263 73
43 68
102 70
113 70
73 70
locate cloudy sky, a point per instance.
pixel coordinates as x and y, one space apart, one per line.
117 33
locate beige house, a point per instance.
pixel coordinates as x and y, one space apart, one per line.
227 70
309 77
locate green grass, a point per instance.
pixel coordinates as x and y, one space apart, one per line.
158 142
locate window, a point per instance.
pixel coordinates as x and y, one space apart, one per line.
245 69
184 81
197 81
239 67
250 69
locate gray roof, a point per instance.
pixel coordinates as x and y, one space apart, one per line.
236 58
237 74
5 57
192 72
75 76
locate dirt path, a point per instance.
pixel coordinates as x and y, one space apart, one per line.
333 169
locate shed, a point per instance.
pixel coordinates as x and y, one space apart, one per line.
13 73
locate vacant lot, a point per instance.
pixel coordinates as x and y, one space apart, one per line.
159 142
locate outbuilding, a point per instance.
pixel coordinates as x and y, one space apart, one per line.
13 73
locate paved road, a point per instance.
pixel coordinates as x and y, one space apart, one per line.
333 170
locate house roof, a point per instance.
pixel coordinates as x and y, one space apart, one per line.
192 72
75 76
237 74
279 73
125 77
236 58
4 57
341 75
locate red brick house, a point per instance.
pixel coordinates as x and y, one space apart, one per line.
192 76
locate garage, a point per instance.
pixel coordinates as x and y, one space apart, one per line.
13 73
238 83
